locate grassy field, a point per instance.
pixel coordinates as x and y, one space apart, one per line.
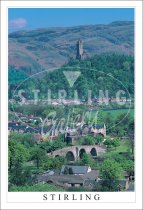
123 148
37 188
115 113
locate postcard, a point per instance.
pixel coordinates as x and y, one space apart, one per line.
71 117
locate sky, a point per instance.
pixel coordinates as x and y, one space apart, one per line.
32 18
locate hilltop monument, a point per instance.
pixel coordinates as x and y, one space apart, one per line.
79 48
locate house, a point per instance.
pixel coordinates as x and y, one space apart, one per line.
40 131
83 176
98 129
61 180
13 126
94 129
93 175
72 135
75 170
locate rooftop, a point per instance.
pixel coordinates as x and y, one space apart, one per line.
71 179
76 169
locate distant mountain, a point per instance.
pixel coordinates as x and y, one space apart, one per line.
35 50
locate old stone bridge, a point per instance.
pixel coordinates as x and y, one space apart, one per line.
73 153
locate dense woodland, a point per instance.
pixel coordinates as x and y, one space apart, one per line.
100 72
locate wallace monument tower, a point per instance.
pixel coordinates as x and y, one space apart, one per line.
79 48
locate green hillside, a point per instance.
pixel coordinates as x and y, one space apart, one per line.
110 72
34 50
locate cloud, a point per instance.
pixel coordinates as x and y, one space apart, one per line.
17 23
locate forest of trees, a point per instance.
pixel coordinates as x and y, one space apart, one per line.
97 73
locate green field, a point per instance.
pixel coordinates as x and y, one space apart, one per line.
124 147
37 188
113 114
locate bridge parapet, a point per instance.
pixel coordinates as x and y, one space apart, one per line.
77 151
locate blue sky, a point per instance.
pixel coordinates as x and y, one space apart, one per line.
32 18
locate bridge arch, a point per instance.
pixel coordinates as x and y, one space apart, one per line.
57 156
70 156
50 182
93 152
82 152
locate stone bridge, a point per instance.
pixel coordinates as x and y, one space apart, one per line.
73 153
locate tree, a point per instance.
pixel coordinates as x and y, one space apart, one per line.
130 133
108 143
100 118
47 163
18 153
110 173
58 162
46 145
15 174
59 143
88 160
52 163
20 176
87 140
26 139
110 170
108 120
37 154
115 142
112 142
99 139
128 166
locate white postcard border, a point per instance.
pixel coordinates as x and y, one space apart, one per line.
122 200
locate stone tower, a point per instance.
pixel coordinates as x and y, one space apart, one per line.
79 48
